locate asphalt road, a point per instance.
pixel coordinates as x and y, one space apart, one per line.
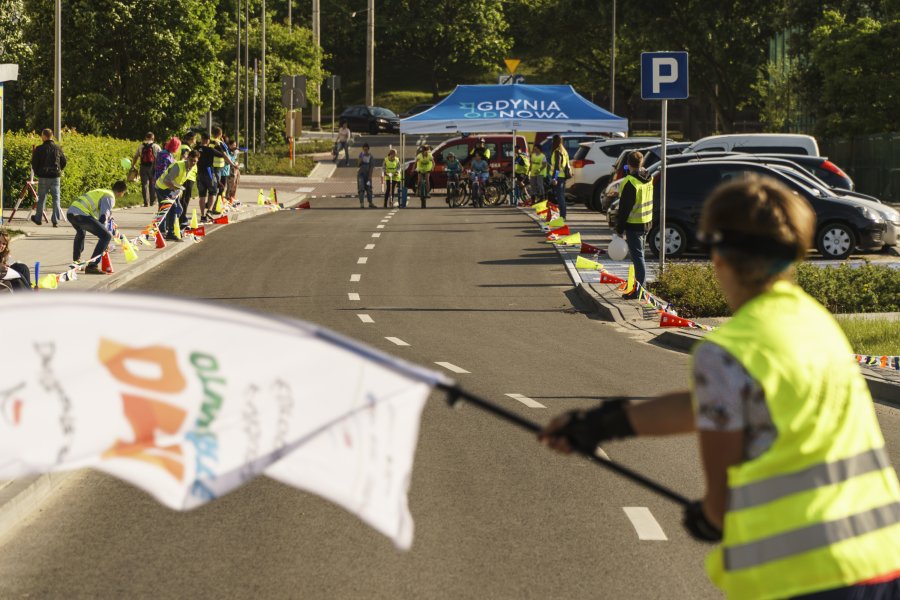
497 516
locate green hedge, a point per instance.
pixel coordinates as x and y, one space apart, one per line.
694 291
276 160
93 162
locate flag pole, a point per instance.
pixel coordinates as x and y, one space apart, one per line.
455 394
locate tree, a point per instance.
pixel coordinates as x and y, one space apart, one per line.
450 42
14 49
127 67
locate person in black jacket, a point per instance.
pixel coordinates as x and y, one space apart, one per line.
634 219
48 162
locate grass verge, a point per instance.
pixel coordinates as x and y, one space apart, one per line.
877 337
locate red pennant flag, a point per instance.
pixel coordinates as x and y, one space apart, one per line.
670 320
610 278
588 249
304 204
564 230
223 220
199 231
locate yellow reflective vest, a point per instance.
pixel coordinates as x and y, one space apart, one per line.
820 509
559 160
538 166
642 212
424 162
89 202
180 172
392 169
218 161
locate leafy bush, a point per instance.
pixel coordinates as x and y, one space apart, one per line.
93 162
694 291
276 161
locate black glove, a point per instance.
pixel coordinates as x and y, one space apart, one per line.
698 525
587 428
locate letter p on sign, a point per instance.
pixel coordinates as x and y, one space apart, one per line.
664 75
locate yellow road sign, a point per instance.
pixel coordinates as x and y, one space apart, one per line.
512 64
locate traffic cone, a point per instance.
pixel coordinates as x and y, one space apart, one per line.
48 282
629 285
273 196
304 205
590 265
670 320
610 278
198 231
218 208
130 252
561 231
160 242
588 249
194 221
260 198
106 264
557 222
176 229
223 220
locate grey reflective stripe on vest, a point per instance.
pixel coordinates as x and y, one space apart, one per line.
821 475
809 538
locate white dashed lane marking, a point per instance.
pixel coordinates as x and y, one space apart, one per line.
370 246
366 318
379 227
352 296
397 341
451 367
355 277
644 524
376 235
526 401
362 260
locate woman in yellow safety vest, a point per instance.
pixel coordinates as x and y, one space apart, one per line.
536 172
799 487
391 177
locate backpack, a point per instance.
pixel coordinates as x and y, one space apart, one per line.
163 160
147 157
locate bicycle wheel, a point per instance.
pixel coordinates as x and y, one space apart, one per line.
465 193
493 194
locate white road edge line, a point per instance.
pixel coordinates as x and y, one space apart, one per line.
362 260
451 367
526 400
352 296
376 235
644 524
355 277
366 318
370 246
397 341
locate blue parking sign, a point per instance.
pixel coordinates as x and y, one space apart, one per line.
664 75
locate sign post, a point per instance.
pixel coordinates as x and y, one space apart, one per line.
664 76
8 72
334 84
293 94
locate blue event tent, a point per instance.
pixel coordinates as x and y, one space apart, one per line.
516 107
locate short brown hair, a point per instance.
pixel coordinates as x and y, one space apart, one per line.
47 133
635 159
759 227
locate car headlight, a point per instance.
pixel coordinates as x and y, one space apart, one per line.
381 120
869 214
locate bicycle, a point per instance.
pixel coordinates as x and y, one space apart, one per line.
454 191
499 191
478 190
423 187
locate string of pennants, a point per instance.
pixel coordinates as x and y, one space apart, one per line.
151 235
560 234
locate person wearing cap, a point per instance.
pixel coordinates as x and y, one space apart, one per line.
800 493
485 151
365 165
89 213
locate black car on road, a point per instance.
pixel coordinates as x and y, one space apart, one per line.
370 119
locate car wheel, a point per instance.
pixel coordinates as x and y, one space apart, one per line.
835 241
373 128
595 203
676 240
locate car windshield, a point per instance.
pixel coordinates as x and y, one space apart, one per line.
383 112
805 182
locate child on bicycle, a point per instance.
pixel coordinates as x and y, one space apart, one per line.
479 171
522 166
453 169
391 177
424 167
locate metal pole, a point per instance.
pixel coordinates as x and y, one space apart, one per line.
247 73
255 98
612 64
332 105
370 55
237 78
662 187
317 40
1 153
290 7
291 133
262 100
57 72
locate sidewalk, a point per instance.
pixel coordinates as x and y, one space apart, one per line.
641 321
52 246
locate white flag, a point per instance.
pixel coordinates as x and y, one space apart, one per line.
189 401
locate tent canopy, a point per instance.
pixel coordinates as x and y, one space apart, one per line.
516 107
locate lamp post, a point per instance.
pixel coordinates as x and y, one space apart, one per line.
57 71
8 72
612 64
262 100
370 52
317 35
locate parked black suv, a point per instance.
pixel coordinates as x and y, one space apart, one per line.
842 225
370 119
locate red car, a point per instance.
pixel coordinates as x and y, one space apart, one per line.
461 147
